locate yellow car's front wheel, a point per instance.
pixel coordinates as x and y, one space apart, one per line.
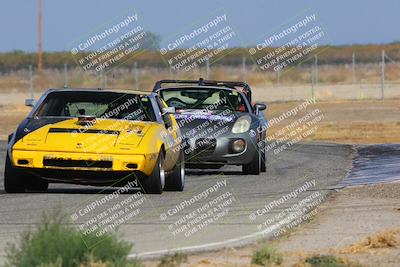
176 180
14 182
18 181
154 183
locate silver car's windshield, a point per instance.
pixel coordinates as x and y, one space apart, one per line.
195 98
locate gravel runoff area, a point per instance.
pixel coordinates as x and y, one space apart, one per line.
356 224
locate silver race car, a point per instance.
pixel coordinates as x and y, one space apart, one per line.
218 122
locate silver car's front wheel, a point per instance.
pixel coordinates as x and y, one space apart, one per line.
254 166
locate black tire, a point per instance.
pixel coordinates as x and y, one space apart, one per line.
37 184
14 181
254 167
263 161
263 156
176 180
154 183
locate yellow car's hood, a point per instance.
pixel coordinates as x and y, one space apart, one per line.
102 136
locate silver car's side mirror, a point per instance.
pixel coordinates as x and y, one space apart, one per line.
168 110
259 107
30 102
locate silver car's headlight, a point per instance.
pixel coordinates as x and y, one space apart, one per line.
242 124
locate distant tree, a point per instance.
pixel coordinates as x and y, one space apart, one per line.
150 41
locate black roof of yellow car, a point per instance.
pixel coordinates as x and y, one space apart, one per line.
116 90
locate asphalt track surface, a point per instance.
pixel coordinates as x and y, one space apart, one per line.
229 215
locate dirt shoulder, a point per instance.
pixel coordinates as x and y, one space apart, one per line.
347 122
350 225
357 224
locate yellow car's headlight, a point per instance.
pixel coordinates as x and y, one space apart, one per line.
242 124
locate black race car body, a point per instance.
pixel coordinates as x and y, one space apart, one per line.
219 125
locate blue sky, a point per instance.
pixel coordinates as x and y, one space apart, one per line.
346 22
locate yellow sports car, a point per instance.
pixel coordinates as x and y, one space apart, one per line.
96 137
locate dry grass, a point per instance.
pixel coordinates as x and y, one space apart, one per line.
125 77
359 132
386 239
366 122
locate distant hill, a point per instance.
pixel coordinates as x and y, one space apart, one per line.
326 55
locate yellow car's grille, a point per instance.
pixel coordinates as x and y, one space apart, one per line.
69 163
89 131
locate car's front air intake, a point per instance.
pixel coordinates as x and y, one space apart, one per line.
69 163
205 146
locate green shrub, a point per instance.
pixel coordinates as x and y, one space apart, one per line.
266 256
173 260
327 261
56 243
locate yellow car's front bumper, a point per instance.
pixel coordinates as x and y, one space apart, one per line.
84 161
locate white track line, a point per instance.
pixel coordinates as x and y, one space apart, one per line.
209 246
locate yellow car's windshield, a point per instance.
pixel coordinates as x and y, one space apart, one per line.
107 105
